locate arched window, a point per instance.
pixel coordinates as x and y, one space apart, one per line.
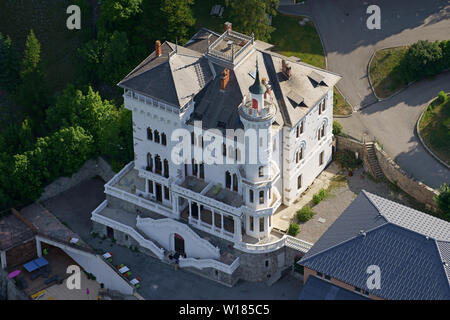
254 104
157 136
158 164
235 182
166 168
228 180
149 134
261 171
261 197
149 162
163 139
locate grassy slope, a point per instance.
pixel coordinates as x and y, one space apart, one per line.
383 73
435 129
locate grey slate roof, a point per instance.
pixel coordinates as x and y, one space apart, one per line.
177 77
412 265
319 289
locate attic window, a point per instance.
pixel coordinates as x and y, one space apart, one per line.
316 79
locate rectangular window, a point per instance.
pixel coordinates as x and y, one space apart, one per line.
261 224
250 196
302 126
299 182
166 193
298 131
320 108
261 171
261 197
251 223
321 159
150 186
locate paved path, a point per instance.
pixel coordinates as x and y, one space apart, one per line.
348 45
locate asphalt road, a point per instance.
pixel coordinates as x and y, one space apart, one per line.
349 44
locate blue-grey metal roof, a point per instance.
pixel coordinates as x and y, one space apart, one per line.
376 231
319 289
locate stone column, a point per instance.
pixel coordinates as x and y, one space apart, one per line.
190 210
212 218
38 248
3 258
146 185
266 226
199 213
237 229
221 223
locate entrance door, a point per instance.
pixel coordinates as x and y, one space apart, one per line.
158 192
179 244
110 232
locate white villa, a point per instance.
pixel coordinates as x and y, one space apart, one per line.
219 217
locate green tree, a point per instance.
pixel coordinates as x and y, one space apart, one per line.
33 93
250 16
116 62
422 59
178 19
117 15
443 200
9 63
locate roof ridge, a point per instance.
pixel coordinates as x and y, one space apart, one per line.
426 215
346 241
447 274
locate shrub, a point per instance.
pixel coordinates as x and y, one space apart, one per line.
347 159
294 229
442 97
337 128
443 200
305 213
319 196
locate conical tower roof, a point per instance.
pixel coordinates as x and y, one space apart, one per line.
257 87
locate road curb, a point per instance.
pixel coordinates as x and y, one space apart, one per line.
370 79
420 137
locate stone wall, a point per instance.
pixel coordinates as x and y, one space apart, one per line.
416 189
91 168
392 171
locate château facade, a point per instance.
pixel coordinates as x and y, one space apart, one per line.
219 216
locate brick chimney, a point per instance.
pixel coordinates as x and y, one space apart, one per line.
286 68
227 26
158 48
224 77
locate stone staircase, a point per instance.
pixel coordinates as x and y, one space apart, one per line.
372 160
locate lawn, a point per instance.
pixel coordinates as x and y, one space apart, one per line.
435 128
48 20
384 73
201 10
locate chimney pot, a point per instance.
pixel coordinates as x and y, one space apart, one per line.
158 48
228 26
286 68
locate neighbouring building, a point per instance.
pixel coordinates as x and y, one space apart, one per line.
408 250
219 217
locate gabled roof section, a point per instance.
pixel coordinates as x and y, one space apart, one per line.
174 77
412 262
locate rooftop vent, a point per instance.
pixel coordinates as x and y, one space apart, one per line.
361 232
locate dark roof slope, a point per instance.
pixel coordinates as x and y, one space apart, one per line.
319 289
411 260
13 232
